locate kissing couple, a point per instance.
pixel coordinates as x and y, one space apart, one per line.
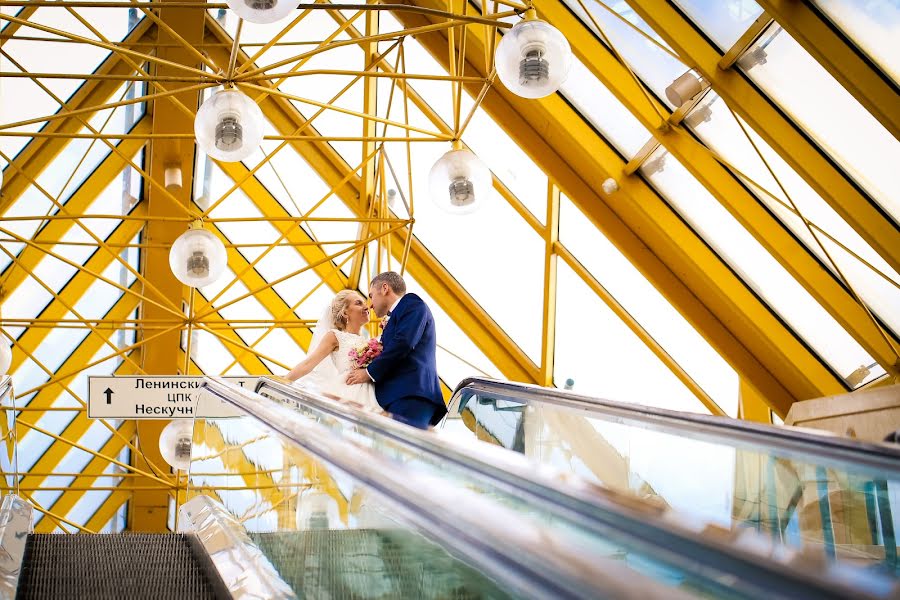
402 378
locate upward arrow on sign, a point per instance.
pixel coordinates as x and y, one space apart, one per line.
109 394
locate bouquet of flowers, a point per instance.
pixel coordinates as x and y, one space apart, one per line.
363 355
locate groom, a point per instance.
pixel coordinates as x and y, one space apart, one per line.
405 373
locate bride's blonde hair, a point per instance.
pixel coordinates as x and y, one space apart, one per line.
339 308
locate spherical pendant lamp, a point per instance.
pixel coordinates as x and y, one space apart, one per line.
229 126
533 58
459 182
197 258
262 11
175 443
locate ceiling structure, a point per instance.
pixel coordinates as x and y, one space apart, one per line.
746 257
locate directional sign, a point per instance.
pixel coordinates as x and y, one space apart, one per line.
157 397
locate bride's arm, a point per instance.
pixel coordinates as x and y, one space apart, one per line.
327 346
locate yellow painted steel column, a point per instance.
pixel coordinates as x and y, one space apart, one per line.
679 264
148 510
751 406
846 63
551 237
721 183
778 131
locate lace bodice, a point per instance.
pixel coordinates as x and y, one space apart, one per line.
346 341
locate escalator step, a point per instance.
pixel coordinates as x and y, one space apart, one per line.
131 565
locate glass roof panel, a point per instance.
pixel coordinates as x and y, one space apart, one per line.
754 264
718 128
722 20
872 25
603 110
605 358
649 307
654 65
828 113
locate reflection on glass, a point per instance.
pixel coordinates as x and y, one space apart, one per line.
651 309
724 21
872 25
754 264
828 113
841 509
716 126
325 533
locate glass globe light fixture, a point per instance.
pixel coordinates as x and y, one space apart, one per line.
262 11
175 443
5 357
229 126
459 182
197 258
533 58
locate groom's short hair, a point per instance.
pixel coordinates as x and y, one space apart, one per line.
394 281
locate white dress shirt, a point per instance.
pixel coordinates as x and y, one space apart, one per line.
390 310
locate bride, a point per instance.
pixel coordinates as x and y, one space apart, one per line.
337 332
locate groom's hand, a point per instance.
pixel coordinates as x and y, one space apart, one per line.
357 376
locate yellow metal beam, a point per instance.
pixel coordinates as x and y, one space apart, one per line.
74 289
551 237
721 183
40 151
427 270
778 131
696 281
149 509
846 63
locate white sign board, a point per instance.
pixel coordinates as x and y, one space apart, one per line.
157 397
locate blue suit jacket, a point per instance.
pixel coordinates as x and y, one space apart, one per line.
405 371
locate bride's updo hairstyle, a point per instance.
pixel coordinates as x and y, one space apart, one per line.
339 308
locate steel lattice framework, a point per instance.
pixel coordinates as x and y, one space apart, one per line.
100 99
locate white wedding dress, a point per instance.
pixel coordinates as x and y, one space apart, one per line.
330 375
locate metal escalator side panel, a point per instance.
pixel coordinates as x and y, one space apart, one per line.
16 518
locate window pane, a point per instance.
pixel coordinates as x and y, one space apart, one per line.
604 357
655 67
831 116
716 126
650 308
754 264
872 25
723 21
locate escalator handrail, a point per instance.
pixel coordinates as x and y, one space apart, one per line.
589 506
543 564
882 457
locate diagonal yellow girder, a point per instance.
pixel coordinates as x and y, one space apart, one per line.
433 277
846 63
722 184
105 173
40 151
778 131
679 264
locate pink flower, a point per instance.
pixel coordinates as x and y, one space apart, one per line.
363 355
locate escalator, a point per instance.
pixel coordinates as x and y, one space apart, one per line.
602 531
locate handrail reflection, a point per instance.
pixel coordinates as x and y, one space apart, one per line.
737 431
